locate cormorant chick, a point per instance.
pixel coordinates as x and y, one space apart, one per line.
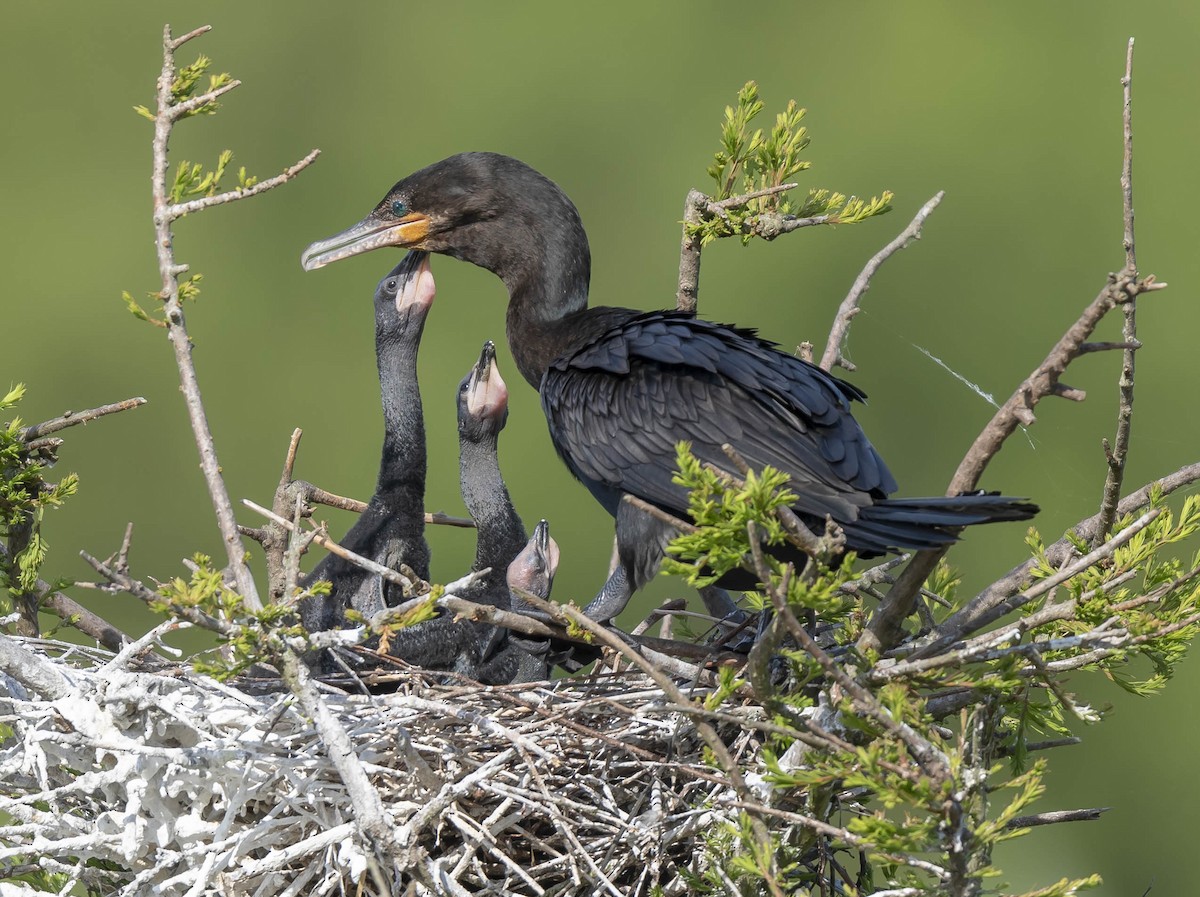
391 530
523 658
500 534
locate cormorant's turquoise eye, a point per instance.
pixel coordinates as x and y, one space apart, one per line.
399 208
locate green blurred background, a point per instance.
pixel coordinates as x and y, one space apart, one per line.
1013 109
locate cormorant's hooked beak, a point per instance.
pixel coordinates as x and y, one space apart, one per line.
487 394
372 232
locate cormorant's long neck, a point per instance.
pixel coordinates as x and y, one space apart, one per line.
392 529
547 287
500 532
401 486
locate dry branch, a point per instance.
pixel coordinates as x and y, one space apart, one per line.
1121 290
74 418
407 584
688 292
850 307
1120 448
885 628
1056 816
317 495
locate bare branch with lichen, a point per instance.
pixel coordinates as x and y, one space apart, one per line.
175 101
850 305
1117 453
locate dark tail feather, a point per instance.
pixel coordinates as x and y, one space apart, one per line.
900 524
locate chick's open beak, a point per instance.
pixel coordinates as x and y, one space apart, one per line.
487 393
546 547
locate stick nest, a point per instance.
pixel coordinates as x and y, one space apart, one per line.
173 783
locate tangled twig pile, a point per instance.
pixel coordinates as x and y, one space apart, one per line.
178 784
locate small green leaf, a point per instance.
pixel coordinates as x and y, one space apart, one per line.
189 287
140 313
15 394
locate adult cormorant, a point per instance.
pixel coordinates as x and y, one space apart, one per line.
621 387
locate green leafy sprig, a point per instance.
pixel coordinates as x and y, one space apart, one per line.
878 804
25 495
183 88
757 161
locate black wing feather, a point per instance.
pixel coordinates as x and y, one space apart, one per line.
617 406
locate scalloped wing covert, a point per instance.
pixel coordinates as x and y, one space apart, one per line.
617 407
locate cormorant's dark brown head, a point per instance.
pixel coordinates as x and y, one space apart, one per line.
483 398
491 210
